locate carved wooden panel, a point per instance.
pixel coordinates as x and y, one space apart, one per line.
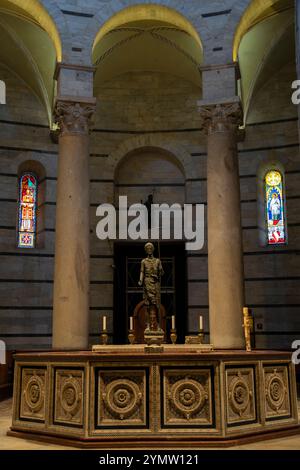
33 389
187 397
68 397
276 389
122 398
240 395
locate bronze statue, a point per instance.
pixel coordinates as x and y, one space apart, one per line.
150 279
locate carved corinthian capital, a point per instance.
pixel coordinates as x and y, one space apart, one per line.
74 118
223 117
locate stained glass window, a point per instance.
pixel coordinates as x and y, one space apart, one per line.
275 212
27 211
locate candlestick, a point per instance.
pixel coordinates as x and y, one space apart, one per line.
131 323
104 338
173 322
104 323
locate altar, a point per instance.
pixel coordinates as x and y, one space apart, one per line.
120 397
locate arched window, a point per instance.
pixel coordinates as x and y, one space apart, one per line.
275 208
28 185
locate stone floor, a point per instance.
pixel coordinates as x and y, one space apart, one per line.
12 443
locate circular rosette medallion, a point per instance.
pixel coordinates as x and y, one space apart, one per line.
70 396
187 397
34 393
239 395
275 391
122 398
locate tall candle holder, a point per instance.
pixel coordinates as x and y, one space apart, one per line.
104 338
131 334
201 335
201 330
173 333
104 335
131 337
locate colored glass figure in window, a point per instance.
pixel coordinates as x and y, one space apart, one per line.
275 208
27 211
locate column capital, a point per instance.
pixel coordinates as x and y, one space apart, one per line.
221 117
74 116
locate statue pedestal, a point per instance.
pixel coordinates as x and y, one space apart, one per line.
154 348
186 397
154 340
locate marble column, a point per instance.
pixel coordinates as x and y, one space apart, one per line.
72 252
225 254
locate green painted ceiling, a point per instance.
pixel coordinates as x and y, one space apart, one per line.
147 45
28 52
264 50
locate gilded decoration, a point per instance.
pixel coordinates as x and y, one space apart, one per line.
68 397
277 399
240 387
33 394
122 398
187 397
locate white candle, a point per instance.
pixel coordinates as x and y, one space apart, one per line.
131 323
104 323
173 322
200 322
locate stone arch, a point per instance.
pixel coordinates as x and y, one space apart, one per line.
182 157
237 12
277 37
48 27
249 17
244 14
50 18
61 24
192 16
34 166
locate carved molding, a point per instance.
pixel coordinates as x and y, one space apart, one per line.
33 394
240 391
187 397
74 118
222 118
277 392
68 397
122 398
239 395
130 398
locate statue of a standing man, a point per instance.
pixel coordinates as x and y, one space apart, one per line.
150 276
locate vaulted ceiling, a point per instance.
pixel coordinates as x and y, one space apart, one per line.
268 44
143 39
30 47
